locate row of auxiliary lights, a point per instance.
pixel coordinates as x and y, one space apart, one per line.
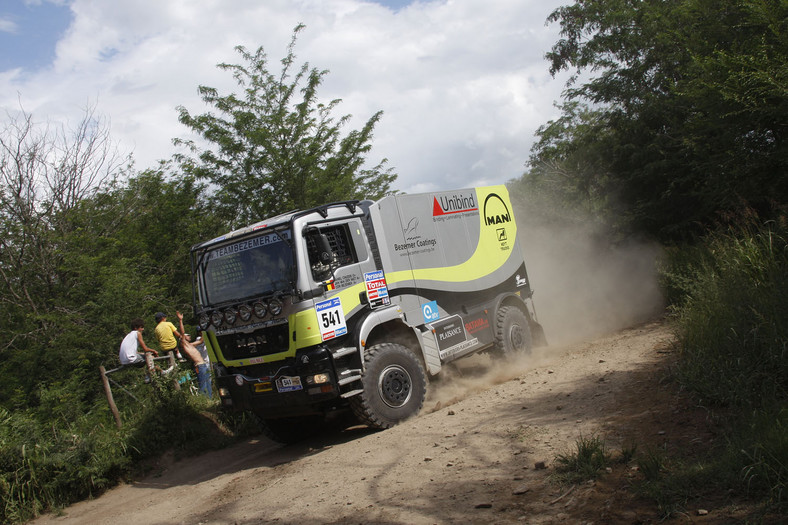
243 312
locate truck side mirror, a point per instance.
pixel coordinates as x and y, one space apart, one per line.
321 244
324 249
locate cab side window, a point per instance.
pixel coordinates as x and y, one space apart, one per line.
336 238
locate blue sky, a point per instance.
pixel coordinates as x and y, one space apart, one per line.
463 84
29 32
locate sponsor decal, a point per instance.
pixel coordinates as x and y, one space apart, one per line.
458 349
477 325
457 203
497 214
421 243
496 211
377 291
346 281
409 228
248 244
331 318
449 332
430 312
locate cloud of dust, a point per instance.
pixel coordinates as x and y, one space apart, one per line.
470 375
585 286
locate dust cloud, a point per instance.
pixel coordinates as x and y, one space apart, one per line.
465 377
584 286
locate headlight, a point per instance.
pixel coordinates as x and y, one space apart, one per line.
275 307
317 379
216 318
229 316
204 320
259 309
245 312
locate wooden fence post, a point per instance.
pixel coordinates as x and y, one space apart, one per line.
110 399
172 367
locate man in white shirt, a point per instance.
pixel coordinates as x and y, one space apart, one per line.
129 348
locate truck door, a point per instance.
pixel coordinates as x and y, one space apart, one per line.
348 258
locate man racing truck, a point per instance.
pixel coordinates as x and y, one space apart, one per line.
355 304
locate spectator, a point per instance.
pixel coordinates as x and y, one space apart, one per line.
199 344
129 348
165 334
200 366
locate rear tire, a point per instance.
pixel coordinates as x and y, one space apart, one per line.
512 332
394 385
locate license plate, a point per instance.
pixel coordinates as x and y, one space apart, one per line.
288 384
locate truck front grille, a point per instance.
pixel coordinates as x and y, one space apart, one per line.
265 341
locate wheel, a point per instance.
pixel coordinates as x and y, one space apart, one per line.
393 386
289 430
512 333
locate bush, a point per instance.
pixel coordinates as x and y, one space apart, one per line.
731 315
729 297
51 457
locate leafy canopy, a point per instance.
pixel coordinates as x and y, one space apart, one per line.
274 146
681 115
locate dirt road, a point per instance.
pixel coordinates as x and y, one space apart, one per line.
471 456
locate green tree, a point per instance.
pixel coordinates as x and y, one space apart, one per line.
271 150
689 103
45 175
85 246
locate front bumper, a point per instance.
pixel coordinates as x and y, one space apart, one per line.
306 384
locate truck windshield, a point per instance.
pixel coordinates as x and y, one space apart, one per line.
247 268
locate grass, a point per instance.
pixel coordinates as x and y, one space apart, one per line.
730 302
585 462
50 459
734 338
651 464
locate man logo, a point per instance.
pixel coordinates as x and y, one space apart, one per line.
495 210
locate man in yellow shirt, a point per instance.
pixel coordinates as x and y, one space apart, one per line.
165 335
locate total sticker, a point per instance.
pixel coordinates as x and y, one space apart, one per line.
331 318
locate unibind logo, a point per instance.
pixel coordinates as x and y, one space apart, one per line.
445 205
495 210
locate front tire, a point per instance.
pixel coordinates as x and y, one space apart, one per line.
512 332
394 385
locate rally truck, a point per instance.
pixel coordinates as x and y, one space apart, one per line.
356 304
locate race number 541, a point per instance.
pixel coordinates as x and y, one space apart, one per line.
331 319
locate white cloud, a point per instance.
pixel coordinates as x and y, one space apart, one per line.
7 26
462 84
